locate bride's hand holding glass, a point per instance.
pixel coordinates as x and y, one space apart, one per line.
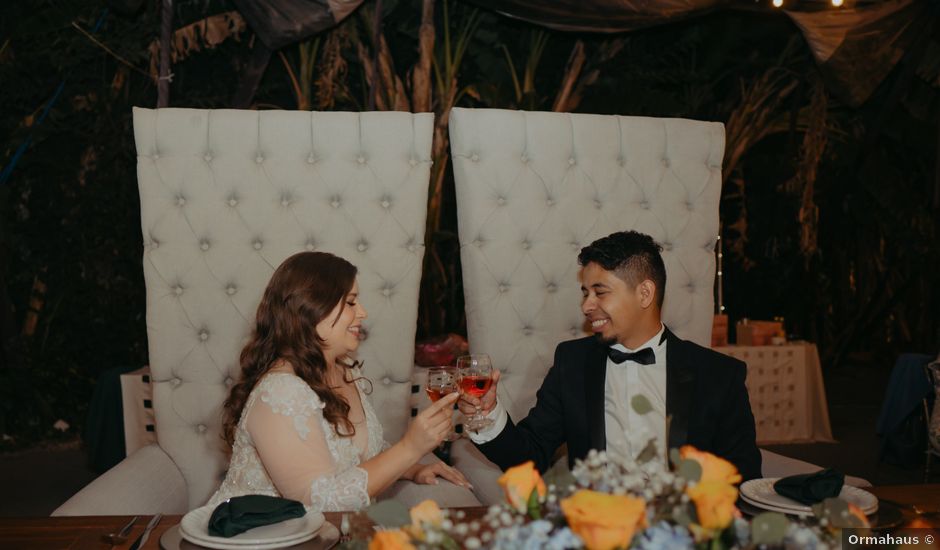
431 426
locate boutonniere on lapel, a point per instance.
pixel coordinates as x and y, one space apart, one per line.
641 405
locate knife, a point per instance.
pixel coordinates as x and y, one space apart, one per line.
146 534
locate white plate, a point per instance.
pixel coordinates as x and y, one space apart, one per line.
761 492
194 527
788 511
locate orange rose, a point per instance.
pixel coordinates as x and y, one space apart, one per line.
426 512
713 467
394 539
714 503
518 483
604 521
858 513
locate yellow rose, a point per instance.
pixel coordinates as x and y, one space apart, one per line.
426 512
714 503
604 521
518 483
391 540
713 467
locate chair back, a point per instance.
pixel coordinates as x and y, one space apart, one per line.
225 197
534 188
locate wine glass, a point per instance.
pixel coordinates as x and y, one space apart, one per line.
442 381
475 376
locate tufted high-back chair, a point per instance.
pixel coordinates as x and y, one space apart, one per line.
226 196
534 188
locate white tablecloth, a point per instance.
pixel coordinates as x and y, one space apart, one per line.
787 393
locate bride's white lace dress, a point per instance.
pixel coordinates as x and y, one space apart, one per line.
285 447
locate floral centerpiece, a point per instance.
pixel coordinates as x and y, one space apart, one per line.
607 502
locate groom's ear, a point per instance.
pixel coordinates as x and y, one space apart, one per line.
646 293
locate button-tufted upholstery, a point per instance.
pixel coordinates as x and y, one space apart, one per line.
534 188
225 197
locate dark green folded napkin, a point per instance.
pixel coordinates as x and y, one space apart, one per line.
239 514
811 488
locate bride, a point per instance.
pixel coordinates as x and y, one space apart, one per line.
299 422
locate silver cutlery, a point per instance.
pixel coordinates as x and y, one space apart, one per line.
917 510
146 534
121 536
926 512
344 528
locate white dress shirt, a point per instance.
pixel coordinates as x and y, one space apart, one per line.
627 431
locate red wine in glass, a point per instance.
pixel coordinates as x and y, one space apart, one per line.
442 381
437 392
475 385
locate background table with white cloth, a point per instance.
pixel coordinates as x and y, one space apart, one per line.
788 396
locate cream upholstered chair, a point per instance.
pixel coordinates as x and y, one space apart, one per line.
532 189
225 197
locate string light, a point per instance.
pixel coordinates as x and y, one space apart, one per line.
837 3
721 294
778 3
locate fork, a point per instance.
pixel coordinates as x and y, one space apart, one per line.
344 528
121 536
146 534
925 512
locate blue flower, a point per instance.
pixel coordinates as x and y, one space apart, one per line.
742 531
535 536
564 539
663 535
799 536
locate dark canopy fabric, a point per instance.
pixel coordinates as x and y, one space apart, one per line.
607 16
279 23
855 47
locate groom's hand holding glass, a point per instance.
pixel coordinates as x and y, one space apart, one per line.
470 405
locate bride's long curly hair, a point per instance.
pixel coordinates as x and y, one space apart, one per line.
302 292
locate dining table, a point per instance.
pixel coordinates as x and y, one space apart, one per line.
86 532
786 391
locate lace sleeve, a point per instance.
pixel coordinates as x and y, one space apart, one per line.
346 489
302 458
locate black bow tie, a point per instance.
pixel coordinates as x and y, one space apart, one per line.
644 356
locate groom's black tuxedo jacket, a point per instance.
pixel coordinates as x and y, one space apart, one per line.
705 398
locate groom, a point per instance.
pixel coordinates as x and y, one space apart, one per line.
585 399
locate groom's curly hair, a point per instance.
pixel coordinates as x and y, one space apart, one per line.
633 256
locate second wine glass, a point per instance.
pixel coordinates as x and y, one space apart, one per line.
442 381
475 376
